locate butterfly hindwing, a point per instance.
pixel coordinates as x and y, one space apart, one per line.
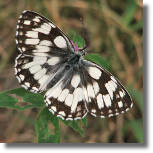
39 73
105 94
66 98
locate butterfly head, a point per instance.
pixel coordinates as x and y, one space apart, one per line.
82 51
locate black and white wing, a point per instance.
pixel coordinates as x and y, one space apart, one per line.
38 36
44 49
105 96
66 99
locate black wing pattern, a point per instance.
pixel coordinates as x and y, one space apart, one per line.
105 95
75 86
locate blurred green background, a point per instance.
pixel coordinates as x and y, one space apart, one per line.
111 26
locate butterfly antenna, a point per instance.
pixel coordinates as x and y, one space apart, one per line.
109 54
100 53
83 32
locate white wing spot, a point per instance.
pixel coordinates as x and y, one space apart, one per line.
20 16
20 41
47 101
31 41
75 99
40 54
96 87
113 85
63 95
24 86
75 81
45 29
80 97
32 34
43 82
93 110
23 49
22 77
109 89
51 111
121 94
53 108
17 33
41 49
113 79
120 104
27 22
54 93
85 93
27 84
60 42
36 19
41 60
110 111
94 72
45 43
69 100
90 91
53 60
100 101
34 89
16 71
107 100
18 79
52 25
20 33
35 69
40 74
62 113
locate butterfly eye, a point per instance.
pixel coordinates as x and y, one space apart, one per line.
82 52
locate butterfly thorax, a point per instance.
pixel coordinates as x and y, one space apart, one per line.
74 59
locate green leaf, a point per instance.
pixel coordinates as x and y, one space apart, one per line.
76 126
42 126
84 121
20 99
77 38
97 59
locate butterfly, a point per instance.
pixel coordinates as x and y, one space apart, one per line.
75 86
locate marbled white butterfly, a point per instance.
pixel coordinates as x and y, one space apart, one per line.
75 86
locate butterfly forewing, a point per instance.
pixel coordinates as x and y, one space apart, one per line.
74 86
41 43
36 35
